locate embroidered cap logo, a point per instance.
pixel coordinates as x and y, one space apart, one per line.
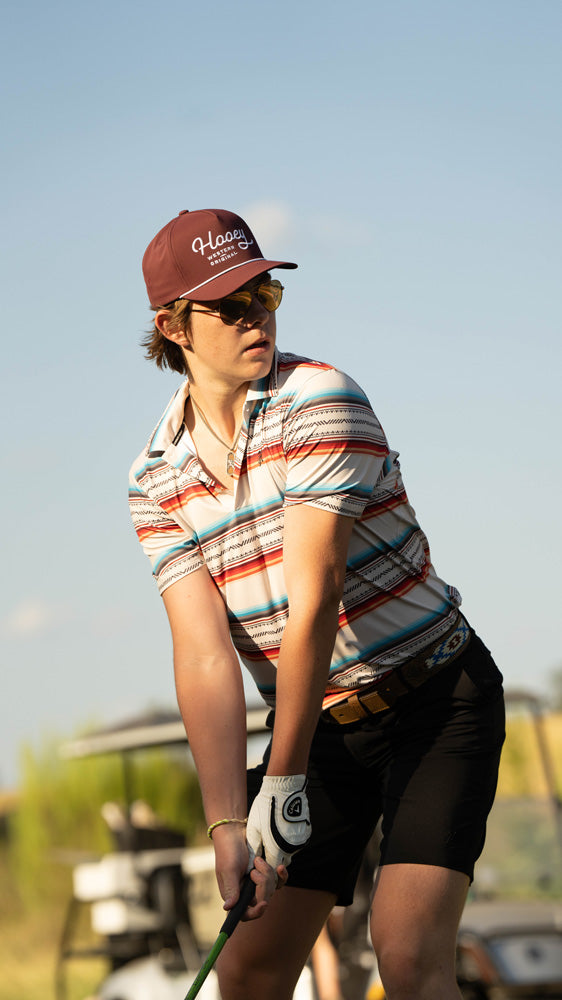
237 235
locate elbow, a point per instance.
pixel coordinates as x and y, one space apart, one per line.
320 610
331 599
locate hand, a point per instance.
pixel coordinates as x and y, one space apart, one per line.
279 820
231 861
266 881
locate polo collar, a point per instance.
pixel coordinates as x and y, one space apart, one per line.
170 426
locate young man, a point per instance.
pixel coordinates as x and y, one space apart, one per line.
278 527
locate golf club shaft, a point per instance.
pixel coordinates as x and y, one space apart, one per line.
247 891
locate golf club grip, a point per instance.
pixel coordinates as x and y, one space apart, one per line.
247 891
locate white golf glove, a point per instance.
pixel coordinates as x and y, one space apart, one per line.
279 820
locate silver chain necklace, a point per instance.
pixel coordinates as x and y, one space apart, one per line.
231 448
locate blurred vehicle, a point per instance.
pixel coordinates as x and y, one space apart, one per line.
154 907
511 950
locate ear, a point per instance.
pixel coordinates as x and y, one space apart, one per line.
162 320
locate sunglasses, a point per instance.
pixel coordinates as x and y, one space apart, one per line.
234 308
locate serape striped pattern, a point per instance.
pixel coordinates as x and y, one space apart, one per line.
309 436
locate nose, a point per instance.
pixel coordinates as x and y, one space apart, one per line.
257 314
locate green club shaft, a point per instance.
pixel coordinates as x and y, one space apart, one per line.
207 966
246 893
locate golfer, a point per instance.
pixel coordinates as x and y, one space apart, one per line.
280 534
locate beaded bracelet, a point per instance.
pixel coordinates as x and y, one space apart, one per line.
222 822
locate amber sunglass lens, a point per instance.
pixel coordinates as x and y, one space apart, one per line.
234 307
270 295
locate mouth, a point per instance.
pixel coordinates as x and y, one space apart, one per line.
258 347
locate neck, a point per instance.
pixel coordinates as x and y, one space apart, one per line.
222 407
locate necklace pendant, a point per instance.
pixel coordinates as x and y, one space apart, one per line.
230 463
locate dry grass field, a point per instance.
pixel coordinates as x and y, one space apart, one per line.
28 949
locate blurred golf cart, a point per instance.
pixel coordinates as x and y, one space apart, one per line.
153 905
155 909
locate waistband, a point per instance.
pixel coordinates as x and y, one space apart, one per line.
384 692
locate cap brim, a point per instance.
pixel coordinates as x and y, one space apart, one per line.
232 279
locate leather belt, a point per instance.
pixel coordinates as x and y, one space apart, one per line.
385 692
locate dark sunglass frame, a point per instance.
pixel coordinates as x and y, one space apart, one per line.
234 308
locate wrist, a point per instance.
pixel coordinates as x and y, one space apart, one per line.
227 823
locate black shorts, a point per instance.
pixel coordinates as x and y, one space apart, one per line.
428 766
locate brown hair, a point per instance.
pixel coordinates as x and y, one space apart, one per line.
159 348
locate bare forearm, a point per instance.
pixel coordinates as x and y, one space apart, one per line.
304 664
211 700
315 545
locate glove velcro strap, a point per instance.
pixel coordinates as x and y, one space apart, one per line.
287 784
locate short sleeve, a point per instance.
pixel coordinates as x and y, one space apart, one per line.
173 551
334 446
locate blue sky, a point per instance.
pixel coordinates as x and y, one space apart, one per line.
408 156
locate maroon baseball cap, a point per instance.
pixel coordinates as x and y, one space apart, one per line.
202 255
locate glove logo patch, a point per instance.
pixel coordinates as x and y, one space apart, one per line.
292 808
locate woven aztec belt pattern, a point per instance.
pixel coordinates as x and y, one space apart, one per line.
386 691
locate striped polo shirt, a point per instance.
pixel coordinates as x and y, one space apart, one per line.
309 435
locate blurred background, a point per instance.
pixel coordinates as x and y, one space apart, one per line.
407 155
